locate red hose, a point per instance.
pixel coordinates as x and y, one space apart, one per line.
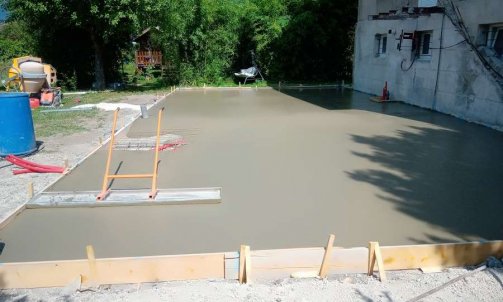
30 167
26 164
172 145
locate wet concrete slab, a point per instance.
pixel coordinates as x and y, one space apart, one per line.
294 166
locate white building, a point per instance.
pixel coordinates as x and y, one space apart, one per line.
445 55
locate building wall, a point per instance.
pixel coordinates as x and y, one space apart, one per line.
453 80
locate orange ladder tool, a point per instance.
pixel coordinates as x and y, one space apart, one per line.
105 191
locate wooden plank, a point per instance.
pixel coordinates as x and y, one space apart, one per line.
275 264
93 272
282 263
372 259
241 276
265 264
440 255
248 262
326 257
112 271
380 263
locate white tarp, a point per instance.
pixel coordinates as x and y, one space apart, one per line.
109 106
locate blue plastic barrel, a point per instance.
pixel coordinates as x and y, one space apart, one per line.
17 135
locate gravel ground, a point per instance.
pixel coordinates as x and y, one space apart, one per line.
401 286
53 151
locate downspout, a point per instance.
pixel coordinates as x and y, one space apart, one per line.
434 105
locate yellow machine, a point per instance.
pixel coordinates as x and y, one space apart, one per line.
29 74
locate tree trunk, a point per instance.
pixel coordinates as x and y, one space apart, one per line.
99 70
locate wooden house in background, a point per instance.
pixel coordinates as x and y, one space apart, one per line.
146 55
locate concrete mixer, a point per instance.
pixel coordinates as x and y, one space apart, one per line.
29 74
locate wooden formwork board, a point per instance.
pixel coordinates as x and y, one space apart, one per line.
112 271
265 264
282 263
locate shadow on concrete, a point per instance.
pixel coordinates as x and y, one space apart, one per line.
439 176
348 99
448 173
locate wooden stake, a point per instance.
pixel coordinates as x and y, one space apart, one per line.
92 262
375 254
244 264
326 257
371 260
65 164
30 190
241 276
100 139
247 265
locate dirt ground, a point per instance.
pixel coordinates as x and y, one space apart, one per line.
401 286
53 151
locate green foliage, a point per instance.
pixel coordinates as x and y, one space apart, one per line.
203 41
98 29
15 41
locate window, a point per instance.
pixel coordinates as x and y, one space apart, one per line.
381 45
495 38
423 47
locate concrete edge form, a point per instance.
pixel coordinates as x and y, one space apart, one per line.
126 198
12 215
265 264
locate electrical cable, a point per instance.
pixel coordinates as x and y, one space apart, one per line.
447 47
460 25
410 66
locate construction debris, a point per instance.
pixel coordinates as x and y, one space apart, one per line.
493 262
167 141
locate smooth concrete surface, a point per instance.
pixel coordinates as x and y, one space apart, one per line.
294 166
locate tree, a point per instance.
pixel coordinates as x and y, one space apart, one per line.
15 41
106 23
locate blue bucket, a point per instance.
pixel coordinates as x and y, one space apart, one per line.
17 135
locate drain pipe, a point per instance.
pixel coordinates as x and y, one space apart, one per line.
434 104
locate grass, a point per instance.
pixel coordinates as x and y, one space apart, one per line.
48 124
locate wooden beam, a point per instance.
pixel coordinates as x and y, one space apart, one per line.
440 255
244 264
241 276
265 264
375 255
247 265
326 257
112 271
93 272
380 263
275 264
371 260
30 190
